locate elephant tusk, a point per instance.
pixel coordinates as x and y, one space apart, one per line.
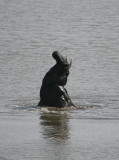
66 59
70 63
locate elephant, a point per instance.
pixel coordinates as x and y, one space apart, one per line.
52 92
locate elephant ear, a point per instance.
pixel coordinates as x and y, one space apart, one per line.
61 60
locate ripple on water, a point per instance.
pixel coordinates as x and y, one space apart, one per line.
54 109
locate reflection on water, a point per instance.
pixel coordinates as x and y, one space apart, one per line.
55 125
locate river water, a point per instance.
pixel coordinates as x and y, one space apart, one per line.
87 31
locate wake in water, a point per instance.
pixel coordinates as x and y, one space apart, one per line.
54 109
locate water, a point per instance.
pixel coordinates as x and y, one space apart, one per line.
87 31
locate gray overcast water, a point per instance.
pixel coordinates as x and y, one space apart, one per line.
87 31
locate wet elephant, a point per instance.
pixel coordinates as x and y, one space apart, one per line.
52 92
